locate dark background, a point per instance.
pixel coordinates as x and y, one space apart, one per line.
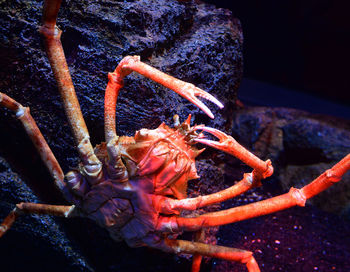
298 45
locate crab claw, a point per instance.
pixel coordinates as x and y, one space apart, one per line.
190 92
229 145
224 140
186 90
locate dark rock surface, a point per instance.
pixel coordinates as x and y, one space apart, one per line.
33 232
301 146
299 239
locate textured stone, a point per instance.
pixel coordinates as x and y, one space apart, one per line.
32 232
301 146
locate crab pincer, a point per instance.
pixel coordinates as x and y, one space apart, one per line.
185 89
229 145
190 92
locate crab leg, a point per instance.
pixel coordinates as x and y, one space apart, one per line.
115 166
37 138
115 83
51 33
220 252
292 198
231 146
56 210
197 258
167 205
186 90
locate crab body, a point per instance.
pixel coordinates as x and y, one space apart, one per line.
158 162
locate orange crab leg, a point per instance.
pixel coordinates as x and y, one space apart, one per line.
115 83
168 205
221 252
327 179
56 210
231 146
292 198
116 168
186 90
55 53
197 258
133 63
37 138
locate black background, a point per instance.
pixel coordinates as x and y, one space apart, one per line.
302 45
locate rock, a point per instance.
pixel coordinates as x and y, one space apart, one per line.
33 231
301 146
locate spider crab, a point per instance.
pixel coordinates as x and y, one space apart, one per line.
135 187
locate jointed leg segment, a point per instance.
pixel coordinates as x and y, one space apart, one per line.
92 166
292 198
221 252
37 138
51 33
133 63
197 258
47 157
56 210
167 205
